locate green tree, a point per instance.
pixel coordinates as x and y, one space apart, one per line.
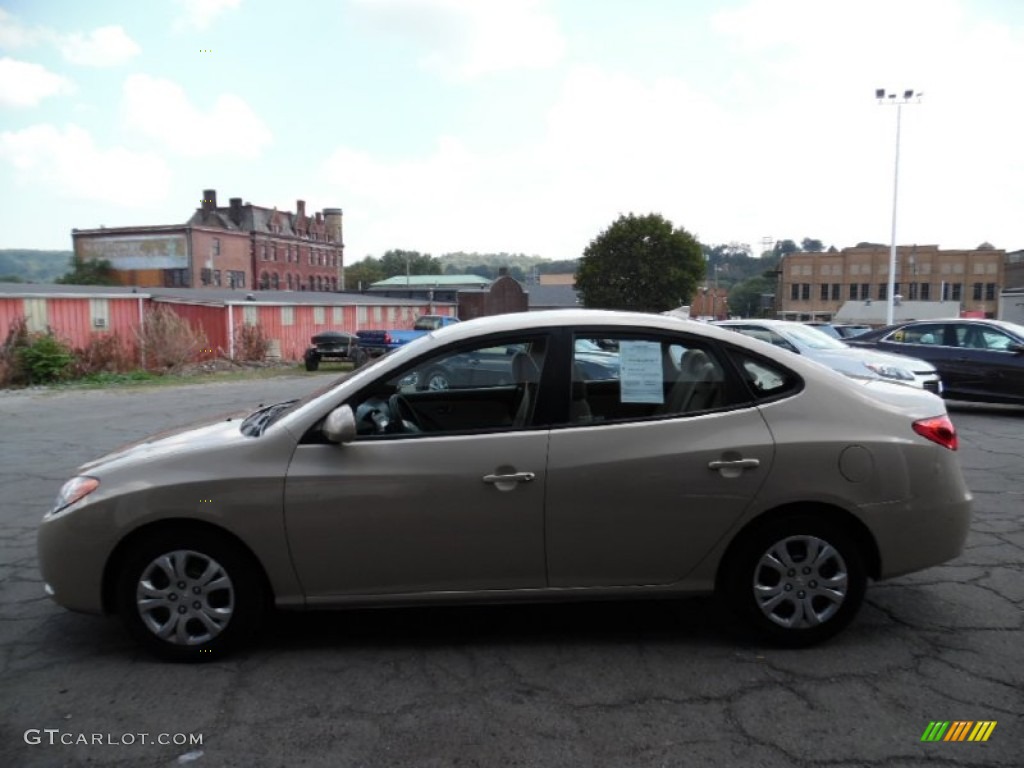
399 262
811 245
745 297
640 263
363 273
92 272
784 247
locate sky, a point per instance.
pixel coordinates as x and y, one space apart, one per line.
519 126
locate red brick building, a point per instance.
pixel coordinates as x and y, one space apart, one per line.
238 246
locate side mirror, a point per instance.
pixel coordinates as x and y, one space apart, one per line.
340 425
1016 348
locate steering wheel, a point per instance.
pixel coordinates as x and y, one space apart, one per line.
403 417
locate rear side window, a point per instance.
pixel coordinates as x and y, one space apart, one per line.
619 377
765 379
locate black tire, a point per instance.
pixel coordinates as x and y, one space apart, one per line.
806 603
218 580
435 380
312 361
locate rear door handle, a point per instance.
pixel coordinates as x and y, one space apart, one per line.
734 464
730 469
510 481
515 477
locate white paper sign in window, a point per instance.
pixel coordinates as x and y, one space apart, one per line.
640 377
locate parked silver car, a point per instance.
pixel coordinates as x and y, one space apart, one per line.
713 462
822 348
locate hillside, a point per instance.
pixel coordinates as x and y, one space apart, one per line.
30 266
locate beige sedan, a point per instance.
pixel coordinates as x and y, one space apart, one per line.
683 459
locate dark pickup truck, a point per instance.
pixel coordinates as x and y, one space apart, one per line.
377 343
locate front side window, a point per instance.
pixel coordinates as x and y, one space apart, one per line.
490 386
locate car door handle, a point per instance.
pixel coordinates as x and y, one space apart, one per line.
734 464
515 477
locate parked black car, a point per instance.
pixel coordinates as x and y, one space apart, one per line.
980 360
335 346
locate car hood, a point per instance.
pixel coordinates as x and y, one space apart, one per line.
223 431
853 358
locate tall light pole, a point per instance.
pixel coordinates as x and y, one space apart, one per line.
884 97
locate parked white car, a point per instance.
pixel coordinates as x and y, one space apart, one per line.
859 363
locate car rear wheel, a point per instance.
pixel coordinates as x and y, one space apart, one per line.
190 595
796 581
312 361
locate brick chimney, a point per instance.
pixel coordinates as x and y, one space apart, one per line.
236 210
300 208
209 199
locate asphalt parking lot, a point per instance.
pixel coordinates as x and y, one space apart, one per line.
641 684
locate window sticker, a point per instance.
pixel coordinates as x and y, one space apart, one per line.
640 377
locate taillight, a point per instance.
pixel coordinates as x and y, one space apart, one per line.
938 429
387 338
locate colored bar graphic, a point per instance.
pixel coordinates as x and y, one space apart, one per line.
958 730
982 730
935 730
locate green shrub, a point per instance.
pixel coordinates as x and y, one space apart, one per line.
45 359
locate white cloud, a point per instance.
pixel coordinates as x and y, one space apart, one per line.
69 163
103 47
467 39
161 110
655 151
15 35
200 14
24 84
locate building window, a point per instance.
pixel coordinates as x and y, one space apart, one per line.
216 277
958 290
824 291
853 292
925 292
865 291
250 316
883 291
215 247
263 251
264 281
805 291
273 253
287 315
912 292
837 291
177 278
990 291
977 291
236 279
275 282
318 315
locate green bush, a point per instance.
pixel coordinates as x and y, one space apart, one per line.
44 359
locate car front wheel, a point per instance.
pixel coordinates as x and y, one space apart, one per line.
796 581
190 595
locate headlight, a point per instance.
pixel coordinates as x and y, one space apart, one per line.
75 489
887 371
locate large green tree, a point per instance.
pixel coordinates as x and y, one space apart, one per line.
91 272
640 263
399 262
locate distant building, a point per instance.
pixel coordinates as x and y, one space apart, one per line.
238 246
816 285
427 287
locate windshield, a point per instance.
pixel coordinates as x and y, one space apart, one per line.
811 338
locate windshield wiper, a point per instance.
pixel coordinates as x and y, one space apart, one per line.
261 418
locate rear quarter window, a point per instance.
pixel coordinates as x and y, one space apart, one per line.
766 379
